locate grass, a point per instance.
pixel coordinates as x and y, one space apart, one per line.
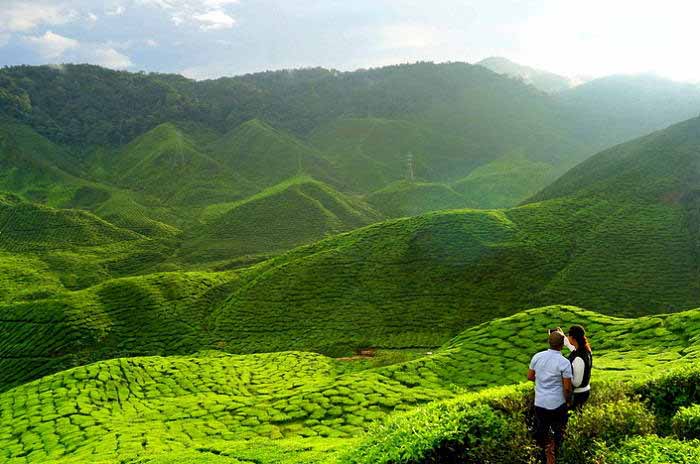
114 409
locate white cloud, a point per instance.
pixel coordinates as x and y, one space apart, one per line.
116 11
92 17
215 20
178 19
4 39
219 3
107 57
25 16
52 46
151 43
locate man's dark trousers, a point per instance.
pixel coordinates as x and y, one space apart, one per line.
550 425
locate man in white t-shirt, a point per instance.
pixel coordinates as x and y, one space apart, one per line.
552 374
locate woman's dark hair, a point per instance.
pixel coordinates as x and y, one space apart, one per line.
579 334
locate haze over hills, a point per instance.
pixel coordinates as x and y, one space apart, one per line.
544 80
618 108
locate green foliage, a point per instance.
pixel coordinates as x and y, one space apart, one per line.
87 105
134 177
453 431
445 431
670 392
468 267
655 450
213 400
686 422
658 168
45 332
609 423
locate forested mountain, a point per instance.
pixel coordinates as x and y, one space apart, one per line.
353 130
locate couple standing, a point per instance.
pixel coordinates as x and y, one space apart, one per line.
561 385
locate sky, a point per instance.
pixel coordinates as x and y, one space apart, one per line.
211 38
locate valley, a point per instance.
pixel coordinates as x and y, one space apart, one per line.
189 273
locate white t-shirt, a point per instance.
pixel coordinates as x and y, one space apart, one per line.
550 367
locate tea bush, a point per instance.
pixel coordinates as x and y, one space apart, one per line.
686 422
669 392
453 431
609 423
654 450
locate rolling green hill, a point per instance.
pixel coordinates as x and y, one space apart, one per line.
416 282
406 198
73 247
663 167
54 329
505 182
165 164
113 410
33 167
191 273
295 212
622 254
266 156
453 117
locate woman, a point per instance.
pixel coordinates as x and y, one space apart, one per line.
581 360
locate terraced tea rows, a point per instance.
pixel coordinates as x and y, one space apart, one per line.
296 212
152 315
420 281
115 409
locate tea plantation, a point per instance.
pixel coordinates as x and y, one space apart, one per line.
115 409
291 268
